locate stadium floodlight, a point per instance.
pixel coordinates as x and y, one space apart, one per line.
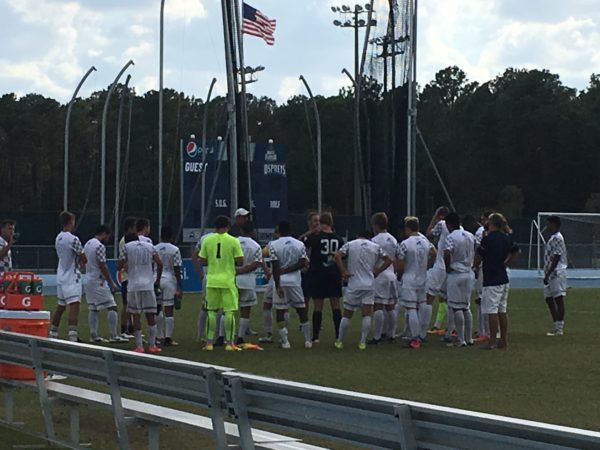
358 8
361 23
345 8
337 23
347 23
373 22
334 9
368 7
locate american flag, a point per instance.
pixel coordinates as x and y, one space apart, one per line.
257 24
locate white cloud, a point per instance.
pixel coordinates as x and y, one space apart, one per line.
289 86
184 9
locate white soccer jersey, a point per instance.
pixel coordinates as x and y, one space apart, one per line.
461 245
288 251
146 239
170 257
138 256
95 252
68 248
440 232
479 235
252 252
6 262
389 245
556 246
414 251
363 257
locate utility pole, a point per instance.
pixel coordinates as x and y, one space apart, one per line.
319 158
67 124
205 152
124 92
412 115
160 115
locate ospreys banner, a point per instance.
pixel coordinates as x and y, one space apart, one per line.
216 168
269 186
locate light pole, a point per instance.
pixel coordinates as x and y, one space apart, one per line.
412 115
67 123
103 155
205 152
160 115
118 166
319 161
356 23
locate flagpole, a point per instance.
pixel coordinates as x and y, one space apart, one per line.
233 155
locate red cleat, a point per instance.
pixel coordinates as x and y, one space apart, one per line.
139 350
154 349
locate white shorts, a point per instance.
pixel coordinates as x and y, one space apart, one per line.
268 297
293 297
557 286
247 297
355 299
168 289
385 288
68 294
460 286
139 302
436 282
494 299
412 298
98 295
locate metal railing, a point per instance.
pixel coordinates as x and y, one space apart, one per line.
359 419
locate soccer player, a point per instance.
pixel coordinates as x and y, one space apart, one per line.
246 277
139 257
99 287
240 217
267 337
496 251
142 227
366 260
413 259
221 253
314 225
436 282
170 283
324 275
459 253
288 257
555 275
483 324
203 315
7 240
126 319
68 275
385 285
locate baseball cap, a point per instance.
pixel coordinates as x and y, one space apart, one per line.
241 212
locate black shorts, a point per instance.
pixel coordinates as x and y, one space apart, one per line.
124 292
324 285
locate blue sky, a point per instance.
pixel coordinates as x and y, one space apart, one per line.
47 45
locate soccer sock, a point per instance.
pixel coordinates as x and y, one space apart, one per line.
72 333
211 326
305 327
286 317
344 325
138 339
451 323
337 319
268 321
169 326
221 324
160 324
386 323
202 323
406 331
244 325
459 319
486 324
468 325
378 318
152 329
441 314
229 325
425 312
392 322
413 321
317 318
365 327
112 317
93 323
480 319
283 335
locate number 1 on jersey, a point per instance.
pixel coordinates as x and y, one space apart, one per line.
219 250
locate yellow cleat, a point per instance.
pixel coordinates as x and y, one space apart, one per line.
339 345
208 348
362 346
232 348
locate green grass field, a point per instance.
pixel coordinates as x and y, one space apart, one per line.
540 378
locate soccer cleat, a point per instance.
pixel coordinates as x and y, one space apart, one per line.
170 343
555 333
53 335
446 339
422 340
338 344
458 345
98 340
154 349
362 346
239 341
266 339
232 348
286 345
308 344
208 348
415 344
436 331
374 341
139 350
118 340
481 339
316 342
220 342
471 343
127 335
